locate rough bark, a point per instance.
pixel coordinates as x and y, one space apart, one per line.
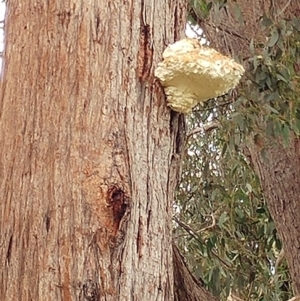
279 172
89 151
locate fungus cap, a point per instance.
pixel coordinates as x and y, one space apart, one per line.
191 73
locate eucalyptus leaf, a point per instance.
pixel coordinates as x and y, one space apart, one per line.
274 38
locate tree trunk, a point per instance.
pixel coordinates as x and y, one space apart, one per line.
88 152
279 172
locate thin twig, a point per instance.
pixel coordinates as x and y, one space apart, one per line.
206 128
279 259
233 297
194 234
295 298
223 104
283 9
210 226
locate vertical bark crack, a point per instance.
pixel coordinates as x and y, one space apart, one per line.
8 253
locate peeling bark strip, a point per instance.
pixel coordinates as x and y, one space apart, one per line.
86 152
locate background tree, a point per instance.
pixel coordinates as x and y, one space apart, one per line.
225 228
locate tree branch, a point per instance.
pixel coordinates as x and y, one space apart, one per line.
186 286
195 235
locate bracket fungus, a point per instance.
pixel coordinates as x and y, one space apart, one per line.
191 74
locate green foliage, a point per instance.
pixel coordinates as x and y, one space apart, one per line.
274 80
198 10
228 235
223 224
